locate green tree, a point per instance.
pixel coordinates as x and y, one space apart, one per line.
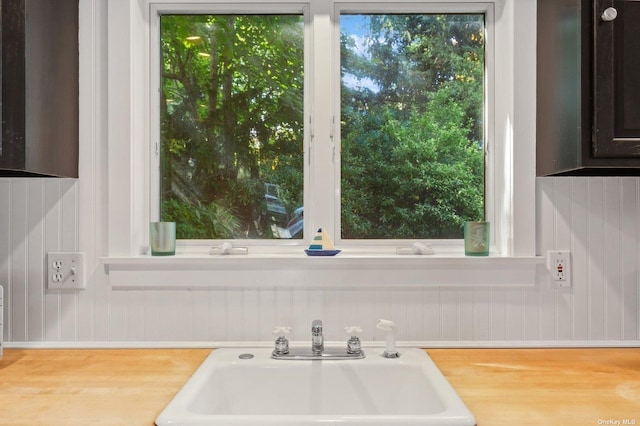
231 118
232 121
412 147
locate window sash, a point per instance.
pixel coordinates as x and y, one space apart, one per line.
413 10
256 8
321 109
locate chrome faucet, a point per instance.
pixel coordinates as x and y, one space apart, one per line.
317 339
353 349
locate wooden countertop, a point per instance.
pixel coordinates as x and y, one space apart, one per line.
500 386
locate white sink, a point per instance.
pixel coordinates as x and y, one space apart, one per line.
229 390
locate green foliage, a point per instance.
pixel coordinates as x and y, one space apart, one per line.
231 117
412 151
232 121
201 221
419 178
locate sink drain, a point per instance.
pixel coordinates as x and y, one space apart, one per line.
245 356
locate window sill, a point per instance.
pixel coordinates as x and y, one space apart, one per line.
347 270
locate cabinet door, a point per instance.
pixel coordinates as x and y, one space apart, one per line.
616 131
39 75
12 80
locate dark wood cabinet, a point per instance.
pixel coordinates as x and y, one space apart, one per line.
617 80
39 75
588 87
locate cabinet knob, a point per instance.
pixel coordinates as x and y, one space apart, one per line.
609 14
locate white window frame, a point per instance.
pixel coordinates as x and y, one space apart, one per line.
256 7
426 7
513 186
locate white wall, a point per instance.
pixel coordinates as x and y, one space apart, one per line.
597 218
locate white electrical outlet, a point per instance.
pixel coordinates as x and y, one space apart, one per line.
65 271
559 264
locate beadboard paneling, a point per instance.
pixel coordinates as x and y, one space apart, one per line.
598 219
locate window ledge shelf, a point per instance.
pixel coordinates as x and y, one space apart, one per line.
343 271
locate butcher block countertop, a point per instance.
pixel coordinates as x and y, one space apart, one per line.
500 386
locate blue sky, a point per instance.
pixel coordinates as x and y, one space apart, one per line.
356 27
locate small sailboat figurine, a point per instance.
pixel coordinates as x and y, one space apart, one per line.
321 245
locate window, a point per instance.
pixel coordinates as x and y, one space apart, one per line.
501 128
232 124
411 124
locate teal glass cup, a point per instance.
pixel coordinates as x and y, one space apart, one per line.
162 238
477 238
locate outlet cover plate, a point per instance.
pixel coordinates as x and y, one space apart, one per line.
65 271
559 265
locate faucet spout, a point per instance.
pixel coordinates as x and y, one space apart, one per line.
317 338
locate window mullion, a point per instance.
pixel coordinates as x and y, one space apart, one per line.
322 171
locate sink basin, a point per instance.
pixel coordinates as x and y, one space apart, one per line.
246 387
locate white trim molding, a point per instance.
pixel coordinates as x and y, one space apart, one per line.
512 145
351 272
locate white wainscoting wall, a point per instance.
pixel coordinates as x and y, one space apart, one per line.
598 219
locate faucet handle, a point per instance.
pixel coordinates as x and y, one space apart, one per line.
353 344
353 330
281 331
282 344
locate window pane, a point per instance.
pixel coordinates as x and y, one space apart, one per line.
412 87
231 114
